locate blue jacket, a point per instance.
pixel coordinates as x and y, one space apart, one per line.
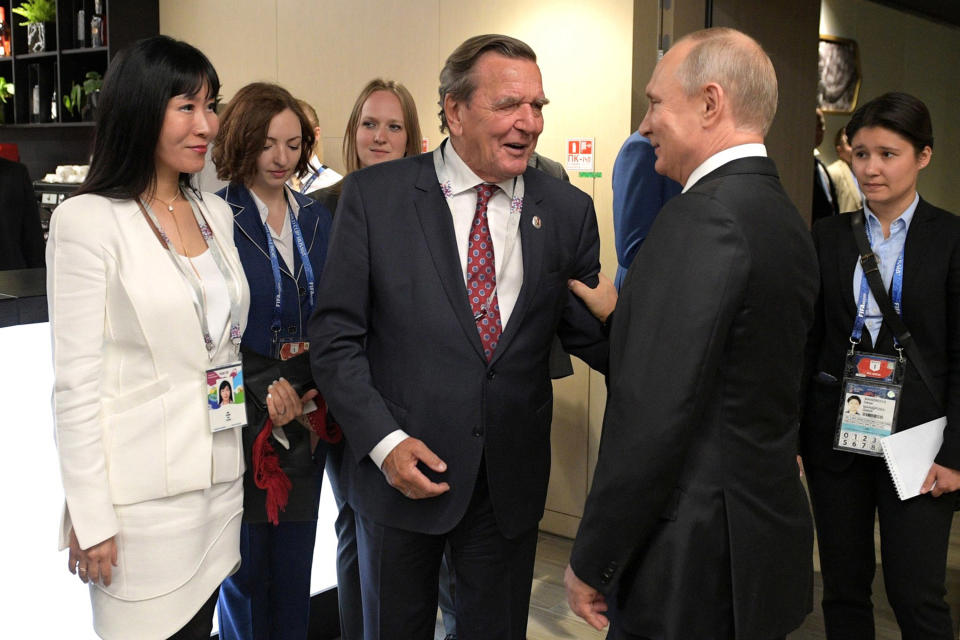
638 194
251 241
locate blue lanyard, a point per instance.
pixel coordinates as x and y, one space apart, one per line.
896 295
275 324
313 178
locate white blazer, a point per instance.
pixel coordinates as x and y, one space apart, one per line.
129 362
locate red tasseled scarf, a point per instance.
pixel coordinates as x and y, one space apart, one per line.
267 473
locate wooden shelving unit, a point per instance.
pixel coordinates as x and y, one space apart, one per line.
35 118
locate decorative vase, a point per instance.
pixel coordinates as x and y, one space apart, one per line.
37 37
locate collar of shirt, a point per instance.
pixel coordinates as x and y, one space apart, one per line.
901 223
887 251
284 239
717 160
262 207
504 228
462 177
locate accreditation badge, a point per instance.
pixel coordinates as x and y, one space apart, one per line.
225 397
286 349
872 385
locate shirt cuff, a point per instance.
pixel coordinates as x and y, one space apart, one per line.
380 452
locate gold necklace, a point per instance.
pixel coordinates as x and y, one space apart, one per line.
172 200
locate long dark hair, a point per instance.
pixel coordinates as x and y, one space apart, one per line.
138 85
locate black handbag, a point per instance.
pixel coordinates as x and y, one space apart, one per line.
272 465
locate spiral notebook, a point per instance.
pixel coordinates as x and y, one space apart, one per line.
910 453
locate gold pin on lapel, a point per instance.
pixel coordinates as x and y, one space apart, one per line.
536 222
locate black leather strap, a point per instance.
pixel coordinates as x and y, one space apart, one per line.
871 272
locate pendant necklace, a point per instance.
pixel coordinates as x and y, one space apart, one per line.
172 200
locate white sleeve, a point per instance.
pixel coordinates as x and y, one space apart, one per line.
76 294
383 448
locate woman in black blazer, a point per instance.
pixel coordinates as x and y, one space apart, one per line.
892 142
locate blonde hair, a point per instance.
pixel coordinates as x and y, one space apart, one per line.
411 122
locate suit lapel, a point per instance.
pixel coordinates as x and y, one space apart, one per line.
437 225
847 257
531 244
247 218
919 235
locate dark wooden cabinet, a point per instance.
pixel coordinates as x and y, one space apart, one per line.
36 118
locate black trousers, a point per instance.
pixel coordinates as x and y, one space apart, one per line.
398 576
914 536
201 624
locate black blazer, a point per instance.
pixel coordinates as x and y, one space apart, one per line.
697 515
21 237
394 343
931 311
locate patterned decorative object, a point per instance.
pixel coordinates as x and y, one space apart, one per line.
37 37
482 274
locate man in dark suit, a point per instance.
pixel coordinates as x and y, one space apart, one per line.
21 237
697 525
445 397
825 203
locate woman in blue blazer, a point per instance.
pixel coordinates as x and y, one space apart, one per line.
281 237
892 141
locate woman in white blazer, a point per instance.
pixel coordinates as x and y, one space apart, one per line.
147 294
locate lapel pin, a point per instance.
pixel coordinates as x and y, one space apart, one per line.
536 222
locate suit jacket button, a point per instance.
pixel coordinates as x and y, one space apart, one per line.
303 292
491 374
477 432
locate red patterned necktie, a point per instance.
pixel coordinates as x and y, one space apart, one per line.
482 274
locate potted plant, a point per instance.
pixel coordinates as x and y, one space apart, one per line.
91 89
6 92
71 100
36 14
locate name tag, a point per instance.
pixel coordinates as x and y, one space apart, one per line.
225 397
286 349
872 385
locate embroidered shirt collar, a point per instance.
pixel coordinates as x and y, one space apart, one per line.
462 177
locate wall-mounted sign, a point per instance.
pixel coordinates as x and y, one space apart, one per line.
579 154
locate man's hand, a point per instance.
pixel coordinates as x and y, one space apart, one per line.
400 468
94 564
940 480
601 300
584 600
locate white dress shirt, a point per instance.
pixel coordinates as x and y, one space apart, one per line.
721 158
507 252
283 240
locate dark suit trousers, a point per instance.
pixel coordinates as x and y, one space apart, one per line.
348 573
398 575
914 535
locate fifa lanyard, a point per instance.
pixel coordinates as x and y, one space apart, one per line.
896 294
513 221
275 324
199 300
